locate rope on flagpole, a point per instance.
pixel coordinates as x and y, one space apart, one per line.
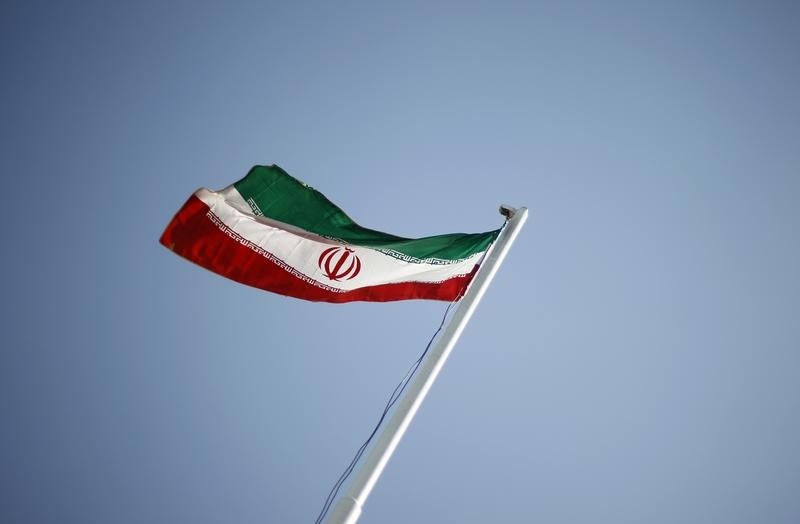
393 398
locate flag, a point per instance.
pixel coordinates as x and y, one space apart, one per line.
273 232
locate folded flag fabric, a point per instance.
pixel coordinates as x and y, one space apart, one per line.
273 232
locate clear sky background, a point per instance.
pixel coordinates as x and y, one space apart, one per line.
636 360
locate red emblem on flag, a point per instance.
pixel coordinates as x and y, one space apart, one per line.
333 261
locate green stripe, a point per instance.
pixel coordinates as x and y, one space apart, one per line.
281 197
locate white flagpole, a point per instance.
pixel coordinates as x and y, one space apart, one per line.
349 507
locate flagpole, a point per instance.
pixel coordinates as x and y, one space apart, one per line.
348 509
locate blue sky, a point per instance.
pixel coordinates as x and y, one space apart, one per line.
637 358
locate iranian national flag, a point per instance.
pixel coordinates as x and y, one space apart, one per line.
273 232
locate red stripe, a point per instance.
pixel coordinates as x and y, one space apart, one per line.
192 235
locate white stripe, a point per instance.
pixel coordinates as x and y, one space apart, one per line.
234 198
301 250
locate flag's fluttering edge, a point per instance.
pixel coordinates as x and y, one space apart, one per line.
273 232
